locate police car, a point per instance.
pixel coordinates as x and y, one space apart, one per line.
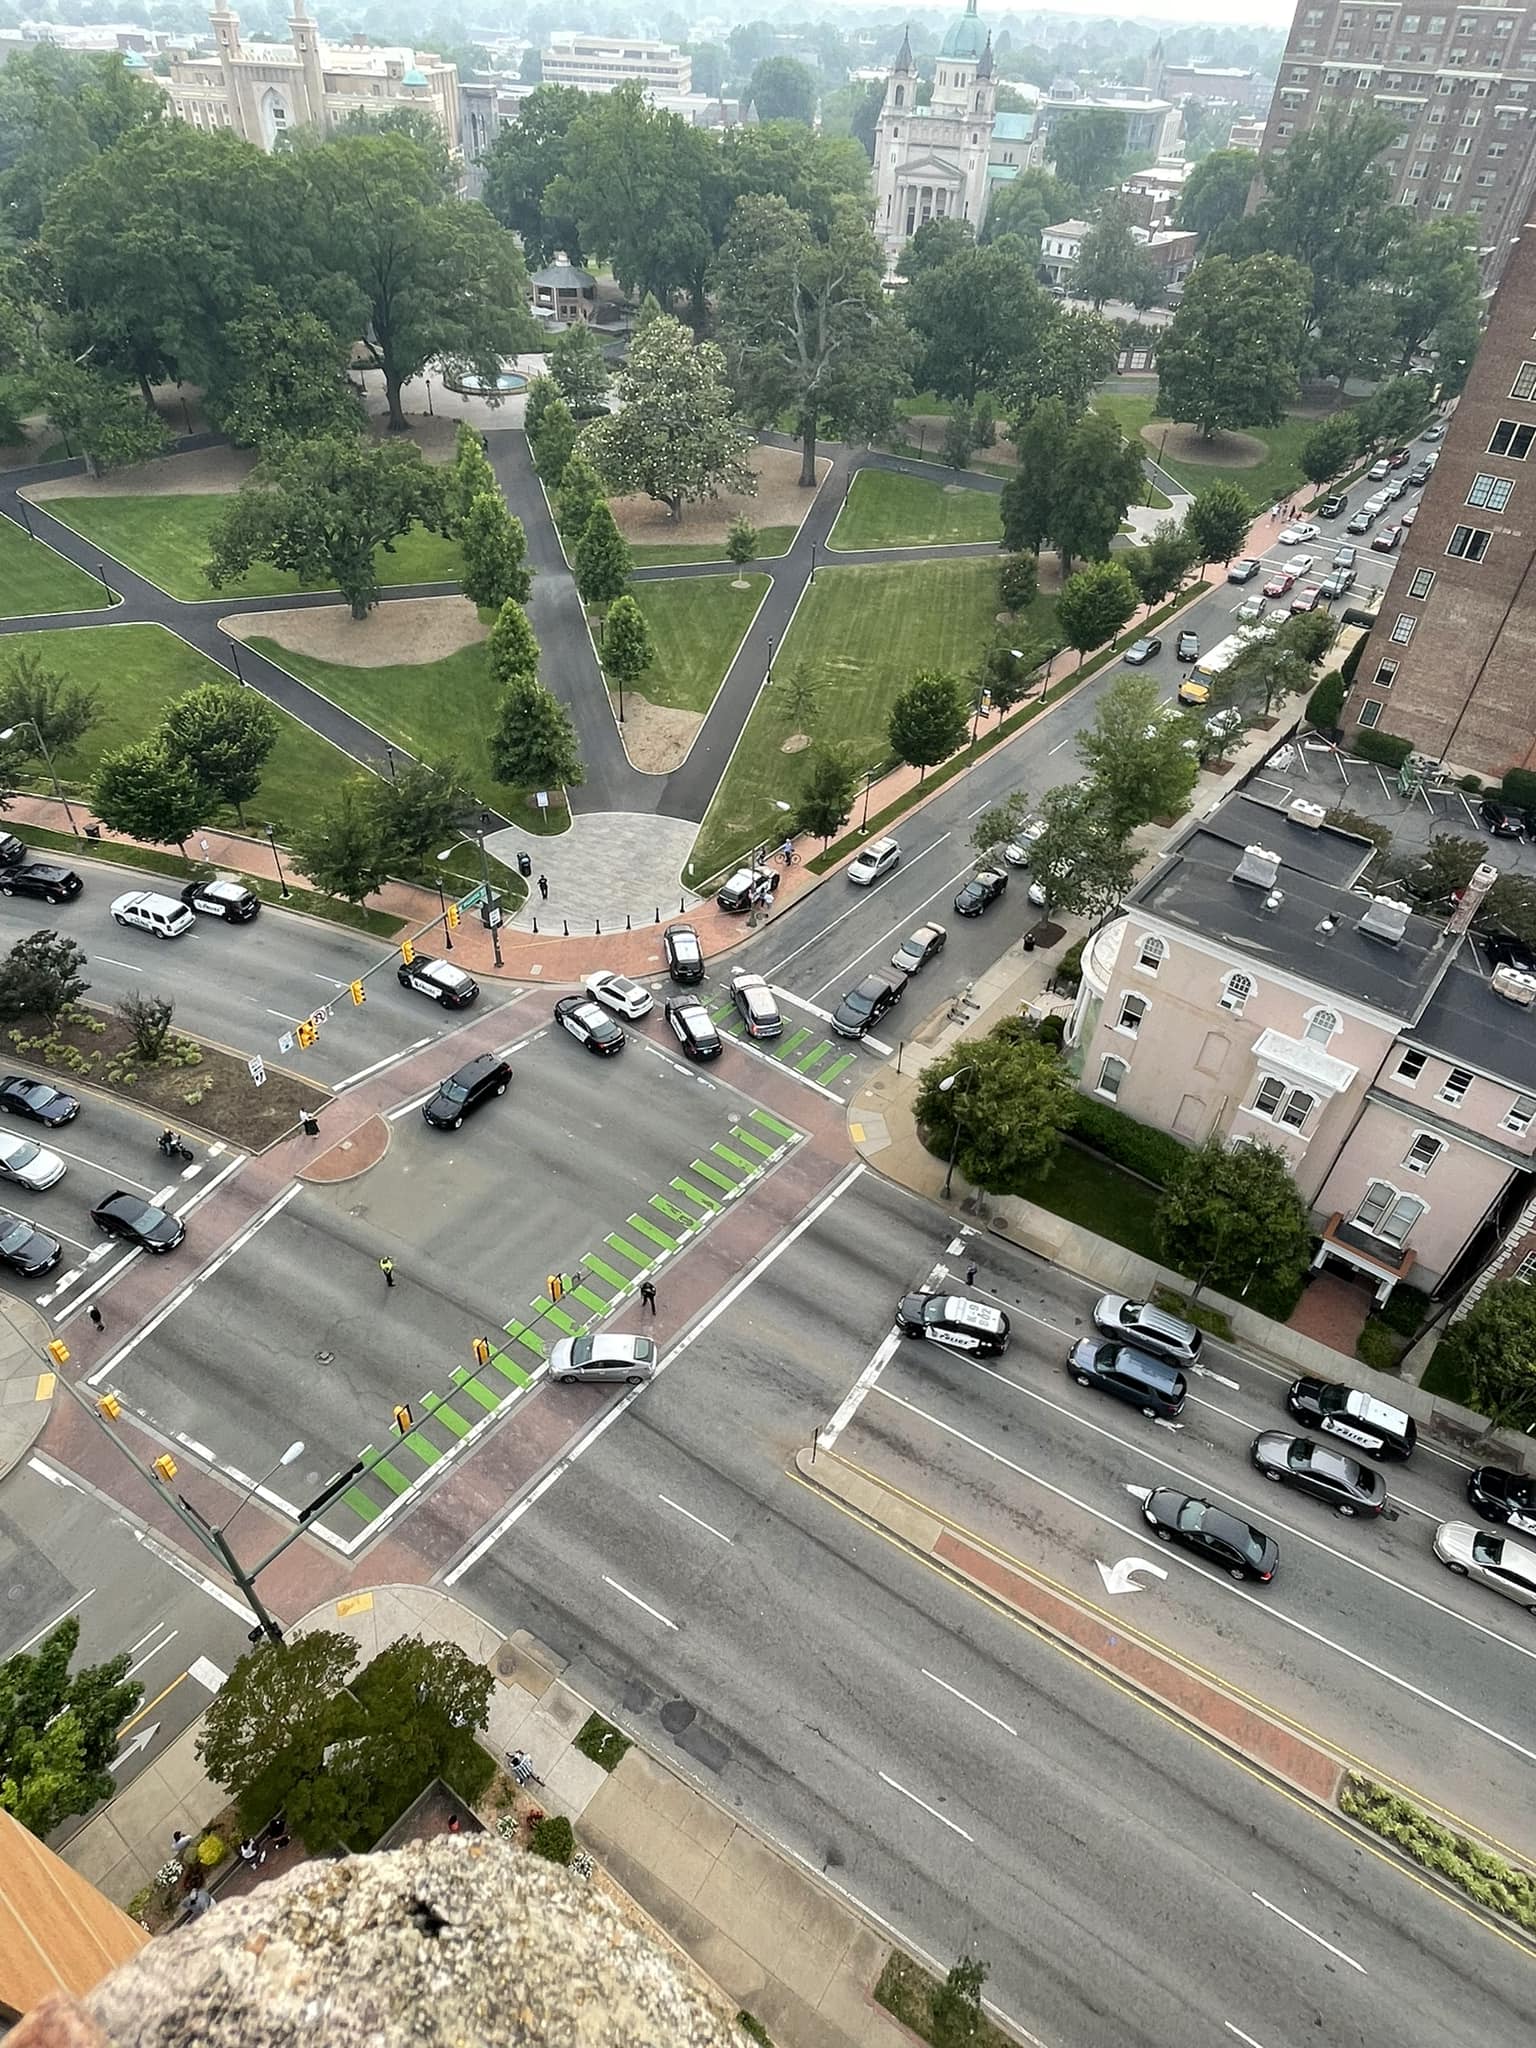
953 1320
590 1025
1353 1417
439 979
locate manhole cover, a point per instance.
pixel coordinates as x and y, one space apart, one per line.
506 1661
676 1716
325 1358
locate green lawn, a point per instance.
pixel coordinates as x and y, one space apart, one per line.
431 708
771 541
888 509
1268 481
136 671
865 632
698 623
34 579
1096 1195
166 539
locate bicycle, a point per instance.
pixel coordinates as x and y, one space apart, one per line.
788 855
521 1767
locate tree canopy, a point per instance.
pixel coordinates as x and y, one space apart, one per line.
929 719
1229 357
1216 191
1136 756
1074 483
532 744
1230 1211
59 1731
676 436
1095 603
1005 318
523 161
1494 1348
1005 1117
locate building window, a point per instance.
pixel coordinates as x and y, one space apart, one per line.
1411 1065
1526 1270
1298 1108
1512 438
1469 543
1111 1073
1321 1026
1402 632
1423 1153
1517 1117
1525 384
1490 491
1387 1214
1235 991
1423 583
1454 1086
1270 1096
1370 712
1133 1010
1152 955
1386 673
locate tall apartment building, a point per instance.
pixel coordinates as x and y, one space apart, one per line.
1461 84
599 63
1451 660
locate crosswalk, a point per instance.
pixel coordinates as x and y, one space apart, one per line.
812 1051
605 1275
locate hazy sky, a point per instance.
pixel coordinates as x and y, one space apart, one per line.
1265 13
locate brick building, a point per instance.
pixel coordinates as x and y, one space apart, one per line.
1461 83
1451 661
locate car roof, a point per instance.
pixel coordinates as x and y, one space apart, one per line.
683 936
227 892
482 1063
1156 1372
443 971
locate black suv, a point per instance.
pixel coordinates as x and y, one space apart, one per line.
41 878
685 956
1500 1495
12 850
474 1083
864 1006
1501 819
1153 1385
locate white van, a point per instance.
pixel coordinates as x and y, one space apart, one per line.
162 915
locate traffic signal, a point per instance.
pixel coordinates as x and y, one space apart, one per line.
58 1351
407 951
109 1406
359 994
306 1034
403 1421
453 917
482 1351
165 1467
554 1286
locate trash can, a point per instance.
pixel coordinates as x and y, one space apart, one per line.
525 863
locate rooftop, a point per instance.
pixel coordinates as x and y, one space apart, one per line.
1013 127
1471 1024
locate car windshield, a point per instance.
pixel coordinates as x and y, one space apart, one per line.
139 1216
1333 1399
1235 1534
1487 1549
454 1091
13 1235
581 1350
859 1002
21 1152
35 1093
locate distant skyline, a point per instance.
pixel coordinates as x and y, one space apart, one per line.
1255 13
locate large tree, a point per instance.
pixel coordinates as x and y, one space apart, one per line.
807 324
1330 447
100 415
1493 1347
1134 753
1109 264
1158 567
602 560
1074 483
532 744
418 807
628 649
1006 316
929 719
1229 357
524 160
59 1731
438 278
577 366
1328 204
59 109
811 173
827 792
676 436
1025 207
495 552
782 89
1086 148
282 375
341 849
512 652
1075 351
224 735
41 976
146 791
1216 191
1094 604
1232 1211
1002 1119
322 509
43 707
1218 520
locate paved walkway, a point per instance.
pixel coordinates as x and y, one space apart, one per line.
782 1942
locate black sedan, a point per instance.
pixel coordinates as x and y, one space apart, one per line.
1316 1469
1502 820
980 892
589 1024
1500 1495
230 900
691 1025
1234 1547
41 878
128 1215
38 1100
25 1250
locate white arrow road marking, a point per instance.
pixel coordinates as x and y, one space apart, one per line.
1207 1372
141 1740
1121 1577
1141 1493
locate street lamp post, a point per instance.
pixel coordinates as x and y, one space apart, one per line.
58 789
234 655
946 1087
871 776
492 914
442 900
277 859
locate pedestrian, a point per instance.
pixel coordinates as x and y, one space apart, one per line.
179 1841
387 1268
543 890
453 1825
248 1854
648 1294
94 1313
277 1829
970 1274
198 1904
202 847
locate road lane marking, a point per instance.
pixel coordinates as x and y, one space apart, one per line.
130 965
83 1159
852 1400
933 1811
913 918
1247 2039
605 1422
654 1612
49 1626
1220 1579
378 1066
1007 1726
788 996
680 1509
164 1643
780 965
1307 1931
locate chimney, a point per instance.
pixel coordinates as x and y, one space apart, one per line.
1258 867
1303 813
1470 900
1385 919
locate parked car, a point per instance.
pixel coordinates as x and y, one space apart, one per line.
144 1224
1406 522
691 1025
919 947
1017 852
1307 599
684 954
1378 471
1149 1328
1497 1562
1279 584
1154 1385
43 878
1502 950
29 1165
1336 585
26 1250
230 900
756 1005
1192 691
980 892
466 1089
1327 1474
1355 1417
611 1357
39 1101
1396 487
618 993
1362 522
1142 651
1345 557
1244 569
1300 565
1500 1495
1377 505
1292 536
749 886
1420 474
873 862
862 1007
1398 459
1233 1546
164 917
1249 610
1501 819
12 851
1332 505
590 1025
955 1321
1435 432
1388 538
1189 645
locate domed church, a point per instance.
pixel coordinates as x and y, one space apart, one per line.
931 162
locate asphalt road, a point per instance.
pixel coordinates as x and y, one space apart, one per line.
961 1777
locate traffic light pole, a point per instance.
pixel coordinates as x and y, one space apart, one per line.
492 910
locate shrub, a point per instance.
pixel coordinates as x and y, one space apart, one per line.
1273 1294
1389 748
141 1902
1519 787
1325 706
1472 784
602 1742
1404 1310
1212 1320
1136 1147
749 2023
1494 1884
1379 1347
1349 667
551 1838
1069 968
1052 1031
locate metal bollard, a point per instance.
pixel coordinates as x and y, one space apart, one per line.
627 925
599 924
566 925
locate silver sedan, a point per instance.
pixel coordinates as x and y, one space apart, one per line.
1494 1561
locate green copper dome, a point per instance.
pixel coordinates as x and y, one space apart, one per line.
966 38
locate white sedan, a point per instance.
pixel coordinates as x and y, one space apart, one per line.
1293 536
34 1166
618 993
1494 1561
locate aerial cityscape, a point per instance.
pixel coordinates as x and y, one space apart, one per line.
768 970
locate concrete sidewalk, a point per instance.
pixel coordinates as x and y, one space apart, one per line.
779 1941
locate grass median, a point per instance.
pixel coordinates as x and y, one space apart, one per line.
885 508
1487 1879
34 580
771 541
698 624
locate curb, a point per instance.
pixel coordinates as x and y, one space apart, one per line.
314 1175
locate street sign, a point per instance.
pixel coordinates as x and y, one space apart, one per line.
474 899
321 1016
258 1069
490 916
285 1043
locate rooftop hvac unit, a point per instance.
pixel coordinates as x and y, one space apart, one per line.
1303 813
1514 986
1259 867
1385 920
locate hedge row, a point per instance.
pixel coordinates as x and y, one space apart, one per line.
1136 1147
1485 1878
